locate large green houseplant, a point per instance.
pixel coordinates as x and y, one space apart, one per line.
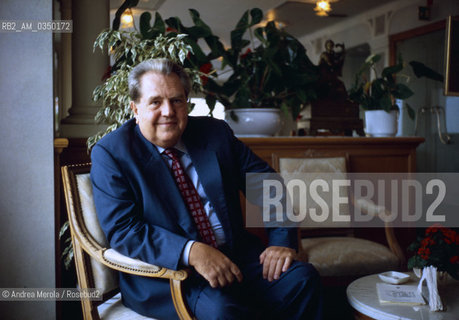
263 67
269 69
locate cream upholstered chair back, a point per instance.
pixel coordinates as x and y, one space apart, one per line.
325 168
98 265
105 279
330 247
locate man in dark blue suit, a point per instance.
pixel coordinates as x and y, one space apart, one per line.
144 214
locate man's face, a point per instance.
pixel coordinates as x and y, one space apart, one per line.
162 109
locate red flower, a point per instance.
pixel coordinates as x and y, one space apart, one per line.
424 253
450 236
169 29
248 51
434 228
205 68
427 242
438 248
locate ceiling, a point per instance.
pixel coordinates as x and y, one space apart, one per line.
222 15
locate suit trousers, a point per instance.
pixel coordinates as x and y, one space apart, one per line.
297 294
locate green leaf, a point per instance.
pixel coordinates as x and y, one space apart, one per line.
126 5
204 29
285 109
386 103
378 88
302 95
257 16
145 28
242 99
63 229
389 71
216 47
175 23
182 55
159 24
402 91
259 33
211 101
421 70
372 59
238 32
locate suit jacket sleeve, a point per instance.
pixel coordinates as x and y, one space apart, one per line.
120 216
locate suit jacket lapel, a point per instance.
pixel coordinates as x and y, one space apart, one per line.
162 179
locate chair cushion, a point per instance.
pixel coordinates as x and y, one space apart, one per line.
113 309
347 256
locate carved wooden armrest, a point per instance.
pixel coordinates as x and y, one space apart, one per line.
120 262
369 207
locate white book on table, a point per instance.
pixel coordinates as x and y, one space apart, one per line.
399 294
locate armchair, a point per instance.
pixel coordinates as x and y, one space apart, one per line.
98 265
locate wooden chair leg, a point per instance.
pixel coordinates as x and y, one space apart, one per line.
89 312
179 302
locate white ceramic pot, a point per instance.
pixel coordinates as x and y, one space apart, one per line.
379 123
254 122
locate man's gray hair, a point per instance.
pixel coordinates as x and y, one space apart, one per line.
161 66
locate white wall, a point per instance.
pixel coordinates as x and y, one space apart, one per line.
400 16
26 160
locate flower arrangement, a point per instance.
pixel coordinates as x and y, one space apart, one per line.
439 247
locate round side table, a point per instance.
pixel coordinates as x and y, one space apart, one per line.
363 297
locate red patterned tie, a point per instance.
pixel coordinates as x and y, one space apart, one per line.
191 197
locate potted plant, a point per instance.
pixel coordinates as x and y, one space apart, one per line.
377 96
268 72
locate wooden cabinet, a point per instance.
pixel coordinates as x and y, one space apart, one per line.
364 154
371 155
